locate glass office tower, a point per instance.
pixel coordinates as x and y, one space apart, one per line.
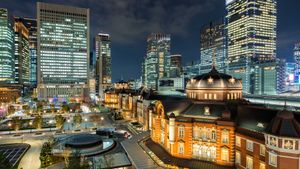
213 49
297 56
21 52
157 61
103 63
7 61
63 51
251 27
31 25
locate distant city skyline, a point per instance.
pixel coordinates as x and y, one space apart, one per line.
130 21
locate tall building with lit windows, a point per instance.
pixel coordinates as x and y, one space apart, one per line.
7 62
157 61
31 25
22 59
213 49
297 56
251 29
63 51
103 63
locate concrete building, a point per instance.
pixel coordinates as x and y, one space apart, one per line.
297 56
157 61
63 51
251 29
103 63
213 48
7 59
191 69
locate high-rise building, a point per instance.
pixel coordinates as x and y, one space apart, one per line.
63 51
251 29
175 66
269 78
191 69
31 25
7 61
290 77
157 61
213 50
103 63
297 56
21 52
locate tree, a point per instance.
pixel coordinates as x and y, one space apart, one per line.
77 119
38 122
4 163
65 108
16 123
66 154
11 109
77 163
59 121
95 119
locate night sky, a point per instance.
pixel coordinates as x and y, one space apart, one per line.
130 21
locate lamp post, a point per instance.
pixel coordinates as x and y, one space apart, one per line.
102 118
85 120
68 123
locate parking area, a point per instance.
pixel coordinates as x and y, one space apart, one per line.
13 152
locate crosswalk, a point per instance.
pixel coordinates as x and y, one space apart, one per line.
139 158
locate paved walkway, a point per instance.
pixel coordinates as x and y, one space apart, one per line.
139 158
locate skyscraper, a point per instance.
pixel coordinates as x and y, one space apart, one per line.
213 48
297 56
157 61
103 63
175 69
31 25
63 51
21 52
7 61
251 28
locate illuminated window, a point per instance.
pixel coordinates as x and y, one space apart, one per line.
249 145
262 165
237 157
213 135
181 148
238 141
225 136
262 150
225 154
273 159
249 162
206 111
181 132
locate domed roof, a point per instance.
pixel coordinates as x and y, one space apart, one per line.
214 79
284 124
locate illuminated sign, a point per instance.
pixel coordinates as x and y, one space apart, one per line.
229 2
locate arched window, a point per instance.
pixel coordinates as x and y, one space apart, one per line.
215 96
213 135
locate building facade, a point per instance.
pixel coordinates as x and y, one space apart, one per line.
213 48
175 66
103 63
191 69
251 29
157 61
31 25
7 61
214 124
297 56
63 51
22 60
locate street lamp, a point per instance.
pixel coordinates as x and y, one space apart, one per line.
102 118
85 122
68 123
